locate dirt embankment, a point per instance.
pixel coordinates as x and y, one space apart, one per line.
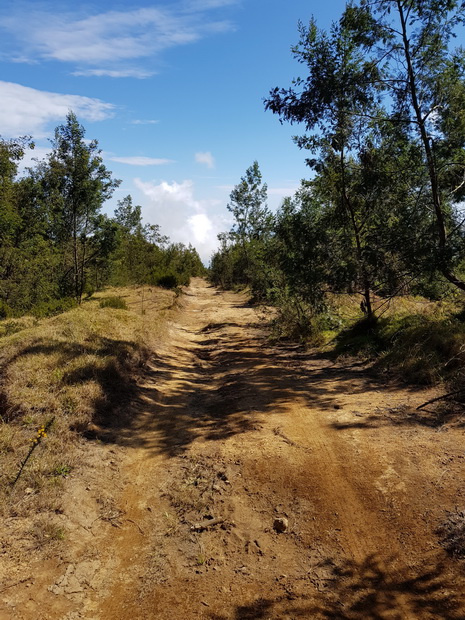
254 482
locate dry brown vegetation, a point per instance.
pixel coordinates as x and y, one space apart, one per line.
77 369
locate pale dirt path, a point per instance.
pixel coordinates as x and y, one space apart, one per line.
228 427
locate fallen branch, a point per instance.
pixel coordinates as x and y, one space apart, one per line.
137 525
204 525
443 397
16 583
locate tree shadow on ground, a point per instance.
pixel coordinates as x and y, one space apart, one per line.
232 378
370 590
406 416
112 364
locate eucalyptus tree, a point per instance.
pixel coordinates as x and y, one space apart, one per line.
11 153
388 67
425 77
340 88
248 206
76 184
250 230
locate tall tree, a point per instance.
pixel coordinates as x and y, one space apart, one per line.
11 152
396 53
77 185
248 206
339 89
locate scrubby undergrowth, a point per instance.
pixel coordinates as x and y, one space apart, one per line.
419 341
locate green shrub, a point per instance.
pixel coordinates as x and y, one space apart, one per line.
170 279
117 303
295 320
419 349
53 307
5 311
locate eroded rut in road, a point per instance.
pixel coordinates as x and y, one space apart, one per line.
231 437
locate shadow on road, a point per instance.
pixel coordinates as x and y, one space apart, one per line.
233 379
366 591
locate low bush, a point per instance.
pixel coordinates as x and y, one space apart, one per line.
170 279
421 349
53 307
295 320
117 303
5 311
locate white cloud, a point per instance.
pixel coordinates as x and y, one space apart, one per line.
201 227
140 74
141 161
142 122
205 158
25 110
107 43
204 5
181 216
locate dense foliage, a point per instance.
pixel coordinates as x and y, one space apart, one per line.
56 245
381 104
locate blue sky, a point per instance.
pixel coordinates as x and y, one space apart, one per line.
172 91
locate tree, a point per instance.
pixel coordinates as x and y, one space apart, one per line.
339 89
250 230
11 152
127 215
389 62
76 184
248 206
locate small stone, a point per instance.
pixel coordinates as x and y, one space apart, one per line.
29 491
280 525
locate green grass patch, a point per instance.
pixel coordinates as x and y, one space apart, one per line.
117 303
419 349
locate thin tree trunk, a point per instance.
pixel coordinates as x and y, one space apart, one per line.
432 172
367 306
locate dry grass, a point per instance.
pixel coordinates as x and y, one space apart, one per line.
78 368
347 307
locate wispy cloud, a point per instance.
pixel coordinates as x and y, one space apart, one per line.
140 74
205 5
205 158
144 122
141 161
113 43
25 110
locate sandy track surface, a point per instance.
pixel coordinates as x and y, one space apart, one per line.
231 441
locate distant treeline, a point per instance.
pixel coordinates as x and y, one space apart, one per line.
55 243
382 105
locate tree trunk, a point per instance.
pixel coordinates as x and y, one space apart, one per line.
426 142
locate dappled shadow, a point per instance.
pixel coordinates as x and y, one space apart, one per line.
112 364
370 590
219 388
231 378
403 415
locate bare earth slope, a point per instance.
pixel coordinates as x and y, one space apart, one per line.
231 441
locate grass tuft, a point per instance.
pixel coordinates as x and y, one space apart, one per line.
117 303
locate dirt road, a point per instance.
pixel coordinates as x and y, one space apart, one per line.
258 482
